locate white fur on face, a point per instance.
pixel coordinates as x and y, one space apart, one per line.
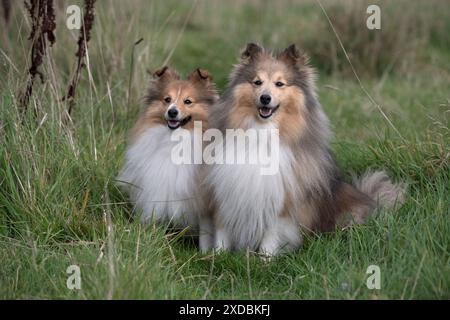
162 190
248 203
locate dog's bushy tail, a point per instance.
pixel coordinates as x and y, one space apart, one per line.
379 187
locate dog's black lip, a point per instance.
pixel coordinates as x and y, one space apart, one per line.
181 123
273 111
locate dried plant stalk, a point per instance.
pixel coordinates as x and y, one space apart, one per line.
83 40
43 25
6 4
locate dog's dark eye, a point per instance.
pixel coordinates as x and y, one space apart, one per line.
167 99
257 82
187 101
279 84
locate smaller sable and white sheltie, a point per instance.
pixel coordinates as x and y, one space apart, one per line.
269 213
162 190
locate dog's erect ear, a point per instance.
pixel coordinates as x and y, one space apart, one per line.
291 55
203 78
165 73
200 76
251 52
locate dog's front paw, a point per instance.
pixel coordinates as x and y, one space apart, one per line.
266 257
219 249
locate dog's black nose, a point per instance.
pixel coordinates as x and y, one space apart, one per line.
172 113
265 99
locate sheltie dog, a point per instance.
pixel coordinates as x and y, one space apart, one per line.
269 213
164 191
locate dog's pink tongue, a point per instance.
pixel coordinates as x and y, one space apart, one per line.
173 123
265 111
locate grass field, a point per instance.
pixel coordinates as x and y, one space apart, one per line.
59 205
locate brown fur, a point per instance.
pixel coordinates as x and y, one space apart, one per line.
198 87
343 207
290 119
321 199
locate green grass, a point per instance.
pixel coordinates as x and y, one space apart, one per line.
57 189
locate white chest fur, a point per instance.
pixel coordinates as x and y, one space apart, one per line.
247 202
161 189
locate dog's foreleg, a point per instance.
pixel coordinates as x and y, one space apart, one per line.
222 240
271 243
284 235
206 236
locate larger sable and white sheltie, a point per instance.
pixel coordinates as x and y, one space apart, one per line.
268 214
162 190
